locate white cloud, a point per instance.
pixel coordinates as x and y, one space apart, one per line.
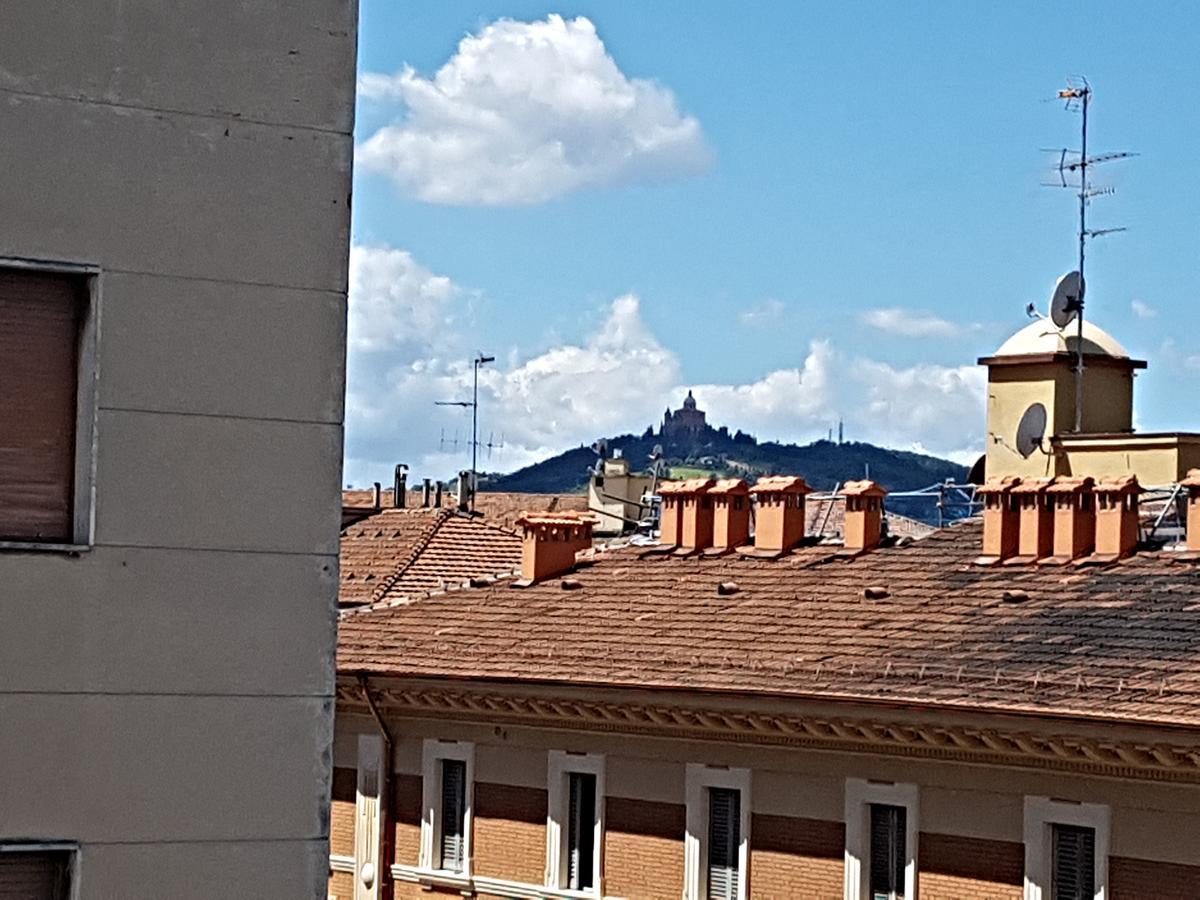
910 322
763 314
525 112
406 353
1143 310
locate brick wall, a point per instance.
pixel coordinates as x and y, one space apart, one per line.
953 867
341 813
1142 879
510 832
341 885
643 848
404 823
792 857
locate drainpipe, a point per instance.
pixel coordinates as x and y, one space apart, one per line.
386 851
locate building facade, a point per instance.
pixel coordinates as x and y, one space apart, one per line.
175 182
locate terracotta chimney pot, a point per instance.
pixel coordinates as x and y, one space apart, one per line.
693 511
1191 484
1035 518
1074 517
864 514
779 520
1117 516
1001 517
550 542
670 519
731 513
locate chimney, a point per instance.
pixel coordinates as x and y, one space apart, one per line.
693 512
670 515
426 492
400 486
377 496
437 494
779 522
465 488
1036 519
731 513
1117 516
1000 518
864 514
1191 484
550 542
1074 517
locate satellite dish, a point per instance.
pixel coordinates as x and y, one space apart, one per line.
1031 430
1067 301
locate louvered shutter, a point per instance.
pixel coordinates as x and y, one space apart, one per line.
1074 863
40 317
454 783
34 875
888 851
581 817
724 837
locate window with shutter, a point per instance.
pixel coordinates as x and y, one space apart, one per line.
888 853
454 804
724 838
581 817
1074 863
34 875
41 316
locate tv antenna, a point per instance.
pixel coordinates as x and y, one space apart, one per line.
1072 165
473 405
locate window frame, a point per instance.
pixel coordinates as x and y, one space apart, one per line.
560 765
861 794
70 848
433 752
1041 813
699 779
87 374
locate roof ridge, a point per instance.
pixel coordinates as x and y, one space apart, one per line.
418 548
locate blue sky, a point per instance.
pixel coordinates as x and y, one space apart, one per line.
860 194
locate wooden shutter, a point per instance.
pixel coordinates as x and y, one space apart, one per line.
888 851
40 317
581 818
1074 863
454 802
34 875
724 837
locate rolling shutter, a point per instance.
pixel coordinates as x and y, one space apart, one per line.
34 875
581 818
724 837
454 802
39 346
888 851
1074 863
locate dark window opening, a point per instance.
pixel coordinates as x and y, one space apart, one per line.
1074 862
888 851
581 831
724 838
454 809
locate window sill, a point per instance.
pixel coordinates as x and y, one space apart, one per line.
35 547
493 886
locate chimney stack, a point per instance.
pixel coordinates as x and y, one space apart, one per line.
779 522
1117 516
400 486
1074 517
437 494
670 513
1036 519
1001 518
550 542
426 493
377 496
731 513
1191 484
687 509
864 515
465 489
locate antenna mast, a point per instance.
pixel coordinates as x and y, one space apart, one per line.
1078 95
473 404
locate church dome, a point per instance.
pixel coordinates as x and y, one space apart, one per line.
1041 336
689 402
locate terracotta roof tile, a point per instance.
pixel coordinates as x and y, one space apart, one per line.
1119 641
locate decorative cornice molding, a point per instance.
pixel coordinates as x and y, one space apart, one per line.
959 743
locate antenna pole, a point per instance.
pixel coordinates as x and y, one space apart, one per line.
475 424
1083 193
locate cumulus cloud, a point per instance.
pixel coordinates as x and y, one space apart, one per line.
406 352
1143 310
910 322
762 314
525 112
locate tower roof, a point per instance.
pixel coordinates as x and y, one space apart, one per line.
1042 337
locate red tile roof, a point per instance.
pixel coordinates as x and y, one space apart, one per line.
498 507
404 553
916 623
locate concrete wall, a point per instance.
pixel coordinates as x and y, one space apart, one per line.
971 816
165 696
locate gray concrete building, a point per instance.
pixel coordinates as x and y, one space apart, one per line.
174 225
